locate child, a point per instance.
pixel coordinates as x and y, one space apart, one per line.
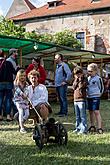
20 100
79 88
94 91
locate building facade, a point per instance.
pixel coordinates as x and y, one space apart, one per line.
19 7
89 19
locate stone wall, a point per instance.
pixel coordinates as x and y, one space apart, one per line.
95 25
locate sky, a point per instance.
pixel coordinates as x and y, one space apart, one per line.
5 5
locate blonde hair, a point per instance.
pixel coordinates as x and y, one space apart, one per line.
93 66
77 70
19 73
33 73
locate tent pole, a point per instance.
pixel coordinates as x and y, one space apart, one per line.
54 66
21 57
88 62
80 62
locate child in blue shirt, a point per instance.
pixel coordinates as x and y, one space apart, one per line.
94 92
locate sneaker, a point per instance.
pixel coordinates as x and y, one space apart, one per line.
22 130
75 131
82 133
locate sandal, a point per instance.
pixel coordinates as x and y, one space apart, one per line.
92 129
100 131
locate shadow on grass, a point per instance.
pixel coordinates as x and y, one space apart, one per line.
74 153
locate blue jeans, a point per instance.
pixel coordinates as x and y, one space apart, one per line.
81 118
6 96
62 96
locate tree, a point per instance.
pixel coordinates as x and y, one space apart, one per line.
65 38
7 27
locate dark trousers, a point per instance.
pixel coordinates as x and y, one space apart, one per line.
62 96
6 97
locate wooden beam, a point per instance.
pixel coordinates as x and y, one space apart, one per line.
80 62
101 67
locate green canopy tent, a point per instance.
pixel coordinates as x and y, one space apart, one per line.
72 55
29 48
25 46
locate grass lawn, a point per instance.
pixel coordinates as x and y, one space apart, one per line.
18 149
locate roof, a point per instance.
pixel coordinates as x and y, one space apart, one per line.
19 7
27 45
64 7
29 4
73 55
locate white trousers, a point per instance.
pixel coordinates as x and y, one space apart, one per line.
23 114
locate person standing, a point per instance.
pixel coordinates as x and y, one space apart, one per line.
6 85
79 88
13 53
108 87
94 91
37 66
62 76
20 98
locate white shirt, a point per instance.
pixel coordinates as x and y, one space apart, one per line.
38 95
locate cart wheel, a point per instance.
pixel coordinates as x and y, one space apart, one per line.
62 135
37 136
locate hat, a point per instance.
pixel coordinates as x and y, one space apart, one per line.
12 50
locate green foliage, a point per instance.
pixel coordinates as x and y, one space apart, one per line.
32 35
65 38
46 37
7 27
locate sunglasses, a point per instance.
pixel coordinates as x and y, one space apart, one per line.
90 70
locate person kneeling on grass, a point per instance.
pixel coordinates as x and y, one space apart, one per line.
38 96
20 99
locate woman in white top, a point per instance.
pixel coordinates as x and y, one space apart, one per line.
38 95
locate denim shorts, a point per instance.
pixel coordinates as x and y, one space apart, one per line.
93 103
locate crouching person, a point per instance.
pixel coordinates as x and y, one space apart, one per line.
20 99
38 96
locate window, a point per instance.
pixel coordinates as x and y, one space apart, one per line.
53 3
81 37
